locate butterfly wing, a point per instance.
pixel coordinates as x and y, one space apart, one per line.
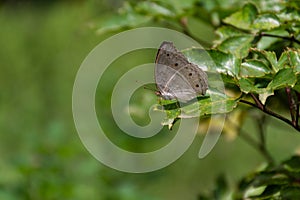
176 77
169 55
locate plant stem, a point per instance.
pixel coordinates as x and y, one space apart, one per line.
267 111
246 136
260 125
291 105
297 108
263 150
257 101
262 146
292 38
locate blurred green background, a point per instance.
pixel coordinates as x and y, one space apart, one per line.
42 47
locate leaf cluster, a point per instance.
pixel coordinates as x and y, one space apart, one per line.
257 54
167 13
281 182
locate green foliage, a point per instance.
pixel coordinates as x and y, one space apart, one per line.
280 182
41 154
221 103
221 190
176 14
260 70
243 18
256 52
257 55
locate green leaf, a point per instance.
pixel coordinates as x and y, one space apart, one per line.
266 22
214 60
270 178
289 14
270 192
117 22
283 60
178 6
172 110
153 9
270 5
271 57
243 18
297 86
227 79
217 80
199 57
224 63
263 96
293 164
237 45
294 56
248 85
221 187
253 192
283 78
291 192
265 42
253 68
214 102
171 118
217 103
225 32
280 182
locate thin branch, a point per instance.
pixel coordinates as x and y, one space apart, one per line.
262 135
291 104
246 136
261 130
267 111
293 39
297 109
249 103
257 101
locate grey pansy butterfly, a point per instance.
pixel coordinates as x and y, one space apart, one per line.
176 77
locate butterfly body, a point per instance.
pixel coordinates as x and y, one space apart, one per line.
176 77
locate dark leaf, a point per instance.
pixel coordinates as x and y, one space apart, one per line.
290 193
